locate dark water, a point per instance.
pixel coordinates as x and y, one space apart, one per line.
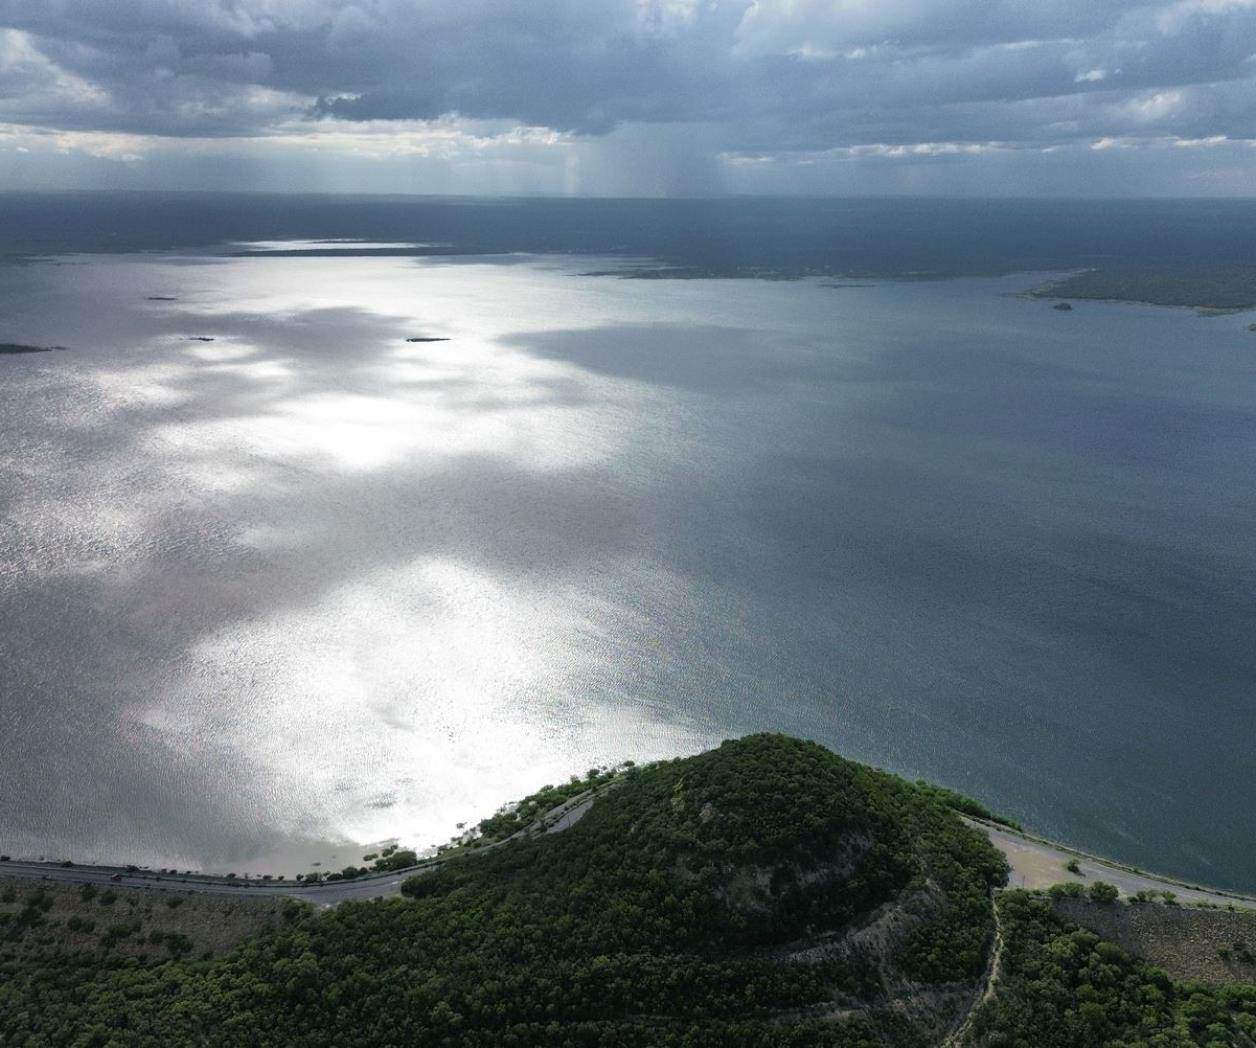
309 584
887 237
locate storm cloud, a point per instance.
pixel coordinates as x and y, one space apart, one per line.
764 85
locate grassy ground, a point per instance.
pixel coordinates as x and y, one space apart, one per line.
44 920
1199 945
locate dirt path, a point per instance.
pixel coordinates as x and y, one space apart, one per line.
1038 863
960 1034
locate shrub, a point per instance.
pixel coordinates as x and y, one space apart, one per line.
397 859
115 933
39 900
178 944
1103 892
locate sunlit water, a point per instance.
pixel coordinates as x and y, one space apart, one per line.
306 586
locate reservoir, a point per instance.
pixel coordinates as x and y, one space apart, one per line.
278 581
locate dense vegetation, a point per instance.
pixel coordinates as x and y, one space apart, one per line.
764 893
1220 288
519 816
390 859
511 819
767 892
1063 987
964 804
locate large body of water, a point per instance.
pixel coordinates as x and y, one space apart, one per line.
310 585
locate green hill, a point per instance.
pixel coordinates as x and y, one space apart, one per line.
765 893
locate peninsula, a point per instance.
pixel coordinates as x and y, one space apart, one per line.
767 892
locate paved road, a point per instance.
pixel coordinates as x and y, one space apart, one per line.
1039 863
1035 862
374 886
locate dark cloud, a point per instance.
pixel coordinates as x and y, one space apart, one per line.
770 76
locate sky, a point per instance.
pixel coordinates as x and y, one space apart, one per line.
632 97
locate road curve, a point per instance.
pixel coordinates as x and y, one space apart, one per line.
372 886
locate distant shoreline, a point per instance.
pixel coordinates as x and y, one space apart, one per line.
1210 291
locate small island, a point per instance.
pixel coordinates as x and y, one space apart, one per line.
16 348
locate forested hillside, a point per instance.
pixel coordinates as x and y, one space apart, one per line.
1063 987
765 893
